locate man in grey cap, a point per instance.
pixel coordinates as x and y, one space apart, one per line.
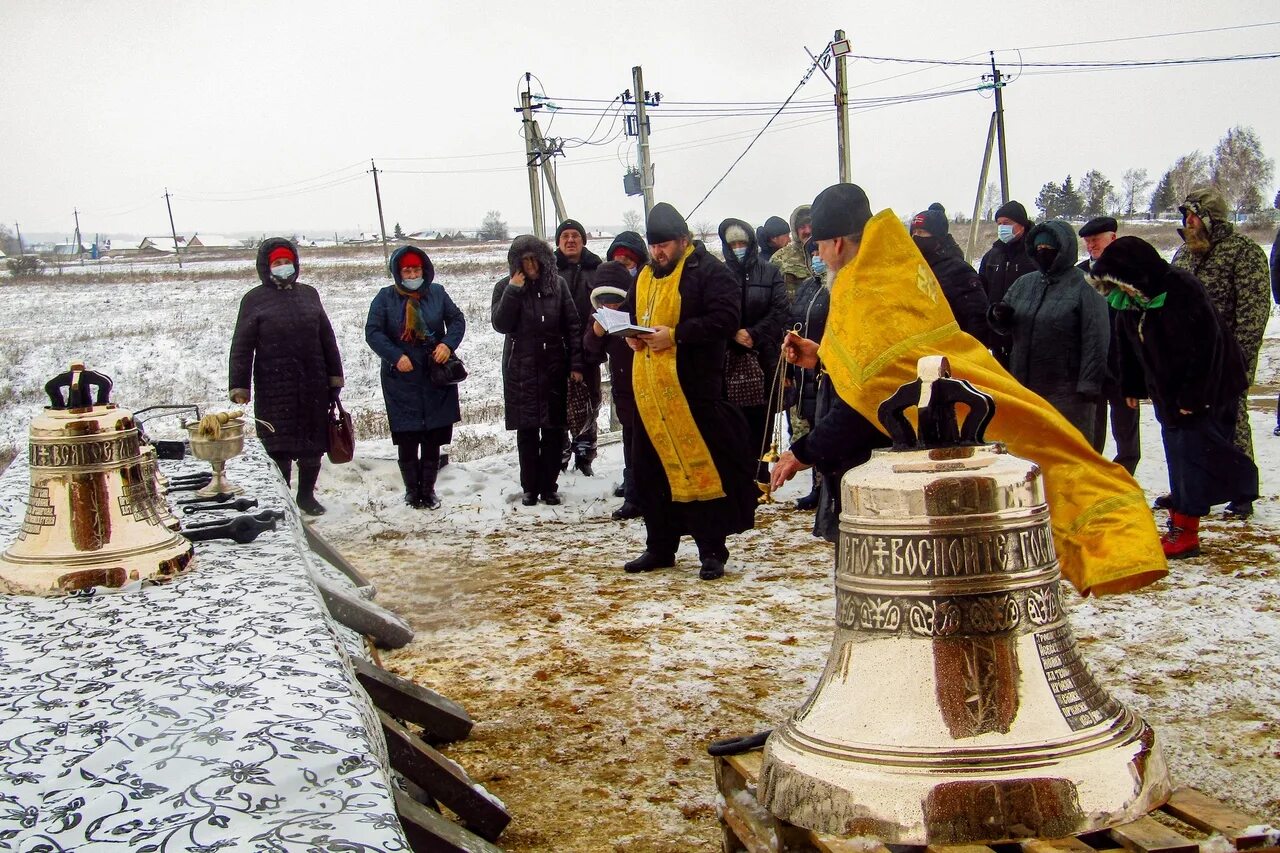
1097 234
692 467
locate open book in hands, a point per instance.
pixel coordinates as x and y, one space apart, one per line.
619 323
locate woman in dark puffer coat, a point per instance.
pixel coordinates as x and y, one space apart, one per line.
412 323
284 340
543 351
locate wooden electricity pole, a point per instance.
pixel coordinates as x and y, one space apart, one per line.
982 189
382 225
177 251
19 233
842 111
79 254
642 129
532 157
997 80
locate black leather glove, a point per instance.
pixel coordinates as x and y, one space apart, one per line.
1000 315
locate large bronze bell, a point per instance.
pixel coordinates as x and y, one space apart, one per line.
92 516
955 706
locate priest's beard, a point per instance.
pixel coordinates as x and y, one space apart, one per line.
664 270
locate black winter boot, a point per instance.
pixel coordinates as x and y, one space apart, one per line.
810 501
412 484
307 477
428 470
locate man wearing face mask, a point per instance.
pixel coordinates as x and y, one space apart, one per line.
1004 263
1059 328
283 338
960 284
1233 269
764 310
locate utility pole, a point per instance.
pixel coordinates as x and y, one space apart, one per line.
642 129
545 154
982 189
19 233
997 81
842 106
382 226
531 158
177 251
79 252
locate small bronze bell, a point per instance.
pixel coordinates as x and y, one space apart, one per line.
955 707
92 516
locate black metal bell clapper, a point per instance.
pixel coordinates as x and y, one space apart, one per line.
935 394
242 529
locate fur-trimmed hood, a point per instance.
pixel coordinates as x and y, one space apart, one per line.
428 270
801 212
1132 266
527 244
753 248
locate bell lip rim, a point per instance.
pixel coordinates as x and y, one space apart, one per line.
1122 728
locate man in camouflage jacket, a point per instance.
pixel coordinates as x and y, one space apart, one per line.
1233 269
792 259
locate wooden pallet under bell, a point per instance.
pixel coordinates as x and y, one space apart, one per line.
746 825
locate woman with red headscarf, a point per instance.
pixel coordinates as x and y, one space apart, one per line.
413 322
284 339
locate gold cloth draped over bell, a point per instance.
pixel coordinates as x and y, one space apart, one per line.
955 706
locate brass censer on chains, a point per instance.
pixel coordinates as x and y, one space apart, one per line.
955 707
775 412
92 517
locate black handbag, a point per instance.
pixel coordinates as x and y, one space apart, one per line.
451 372
743 377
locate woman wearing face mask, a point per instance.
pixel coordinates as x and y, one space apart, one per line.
630 250
764 311
411 323
284 340
1059 327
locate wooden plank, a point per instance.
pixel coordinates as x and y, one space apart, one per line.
428 832
747 764
333 556
443 781
958 848
1144 835
442 719
1209 815
1070 844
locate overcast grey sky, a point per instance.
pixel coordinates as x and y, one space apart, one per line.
263 115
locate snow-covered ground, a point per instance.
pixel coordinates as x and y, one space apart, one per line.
595 692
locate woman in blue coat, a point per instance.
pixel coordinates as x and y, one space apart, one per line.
411 321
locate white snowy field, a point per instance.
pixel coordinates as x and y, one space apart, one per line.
595 692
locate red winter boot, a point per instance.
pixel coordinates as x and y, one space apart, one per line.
1182 539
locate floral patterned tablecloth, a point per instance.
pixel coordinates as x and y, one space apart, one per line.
215 712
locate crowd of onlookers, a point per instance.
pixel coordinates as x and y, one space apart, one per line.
1092 336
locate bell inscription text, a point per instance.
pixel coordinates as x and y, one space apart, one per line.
78 454
947 555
